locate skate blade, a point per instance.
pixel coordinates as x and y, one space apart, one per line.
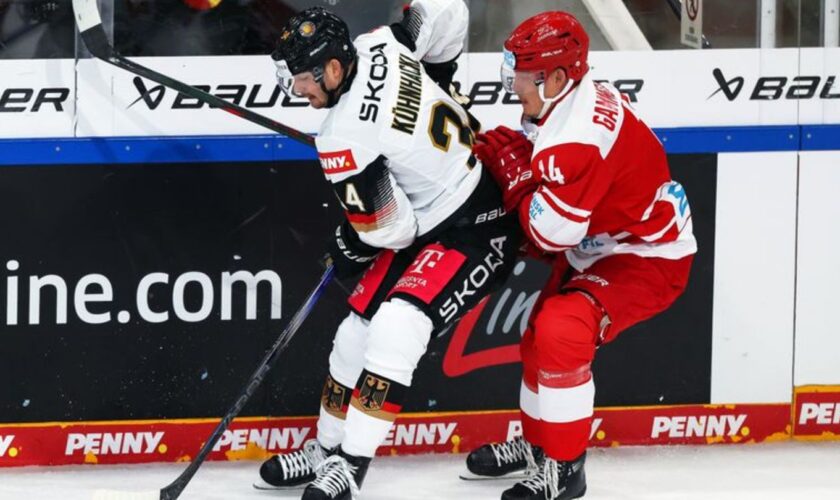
517 475
263 486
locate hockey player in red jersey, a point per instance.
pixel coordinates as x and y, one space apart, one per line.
397 149
591 186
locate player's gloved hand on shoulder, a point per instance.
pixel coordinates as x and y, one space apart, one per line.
435 30
507 155
443 74
350 255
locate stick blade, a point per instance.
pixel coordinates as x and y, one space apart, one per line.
90 28
125 495
87 14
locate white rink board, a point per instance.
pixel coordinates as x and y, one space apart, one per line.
110 102
753 343
824 63
686 94
818 270
755 242
22 114
678 88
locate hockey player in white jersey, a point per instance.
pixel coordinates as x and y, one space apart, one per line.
424 221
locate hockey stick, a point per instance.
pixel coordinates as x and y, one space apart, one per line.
174 489
94 36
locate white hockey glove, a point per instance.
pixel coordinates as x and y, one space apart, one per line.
435 30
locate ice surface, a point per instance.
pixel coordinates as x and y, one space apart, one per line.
808 471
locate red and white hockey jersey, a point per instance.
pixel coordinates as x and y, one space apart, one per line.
606 188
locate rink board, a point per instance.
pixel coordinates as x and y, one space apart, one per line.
145 256
258 438
670 88
817 412
155 247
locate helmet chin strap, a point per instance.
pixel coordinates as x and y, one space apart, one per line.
548 102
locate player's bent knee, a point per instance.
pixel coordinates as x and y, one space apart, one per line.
399 333
566 331
347 358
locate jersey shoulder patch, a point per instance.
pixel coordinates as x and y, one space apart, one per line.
343 157
337 162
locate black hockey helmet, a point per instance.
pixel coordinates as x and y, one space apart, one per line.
310 39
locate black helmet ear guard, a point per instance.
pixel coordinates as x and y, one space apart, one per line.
308 41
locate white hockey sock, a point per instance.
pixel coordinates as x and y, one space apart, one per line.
397 337
364 433
330 429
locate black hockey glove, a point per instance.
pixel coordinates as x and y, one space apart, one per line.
407 29
406 32
442 74
350 254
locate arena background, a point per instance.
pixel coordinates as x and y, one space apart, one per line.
138 224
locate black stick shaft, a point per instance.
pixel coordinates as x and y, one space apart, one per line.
174 489
98 44
210 99
96 40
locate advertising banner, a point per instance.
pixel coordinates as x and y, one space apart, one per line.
704 88
37 98
152 291
442 432
728 87
816 412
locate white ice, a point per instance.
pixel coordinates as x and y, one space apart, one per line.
789 471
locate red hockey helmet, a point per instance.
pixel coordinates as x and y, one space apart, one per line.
545 42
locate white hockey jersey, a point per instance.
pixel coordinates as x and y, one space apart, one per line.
396 148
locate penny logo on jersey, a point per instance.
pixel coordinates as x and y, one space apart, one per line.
337 162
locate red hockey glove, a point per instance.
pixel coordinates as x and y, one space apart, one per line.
507 155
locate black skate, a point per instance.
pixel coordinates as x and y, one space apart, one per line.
339 478
555 481
292 470
514 459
